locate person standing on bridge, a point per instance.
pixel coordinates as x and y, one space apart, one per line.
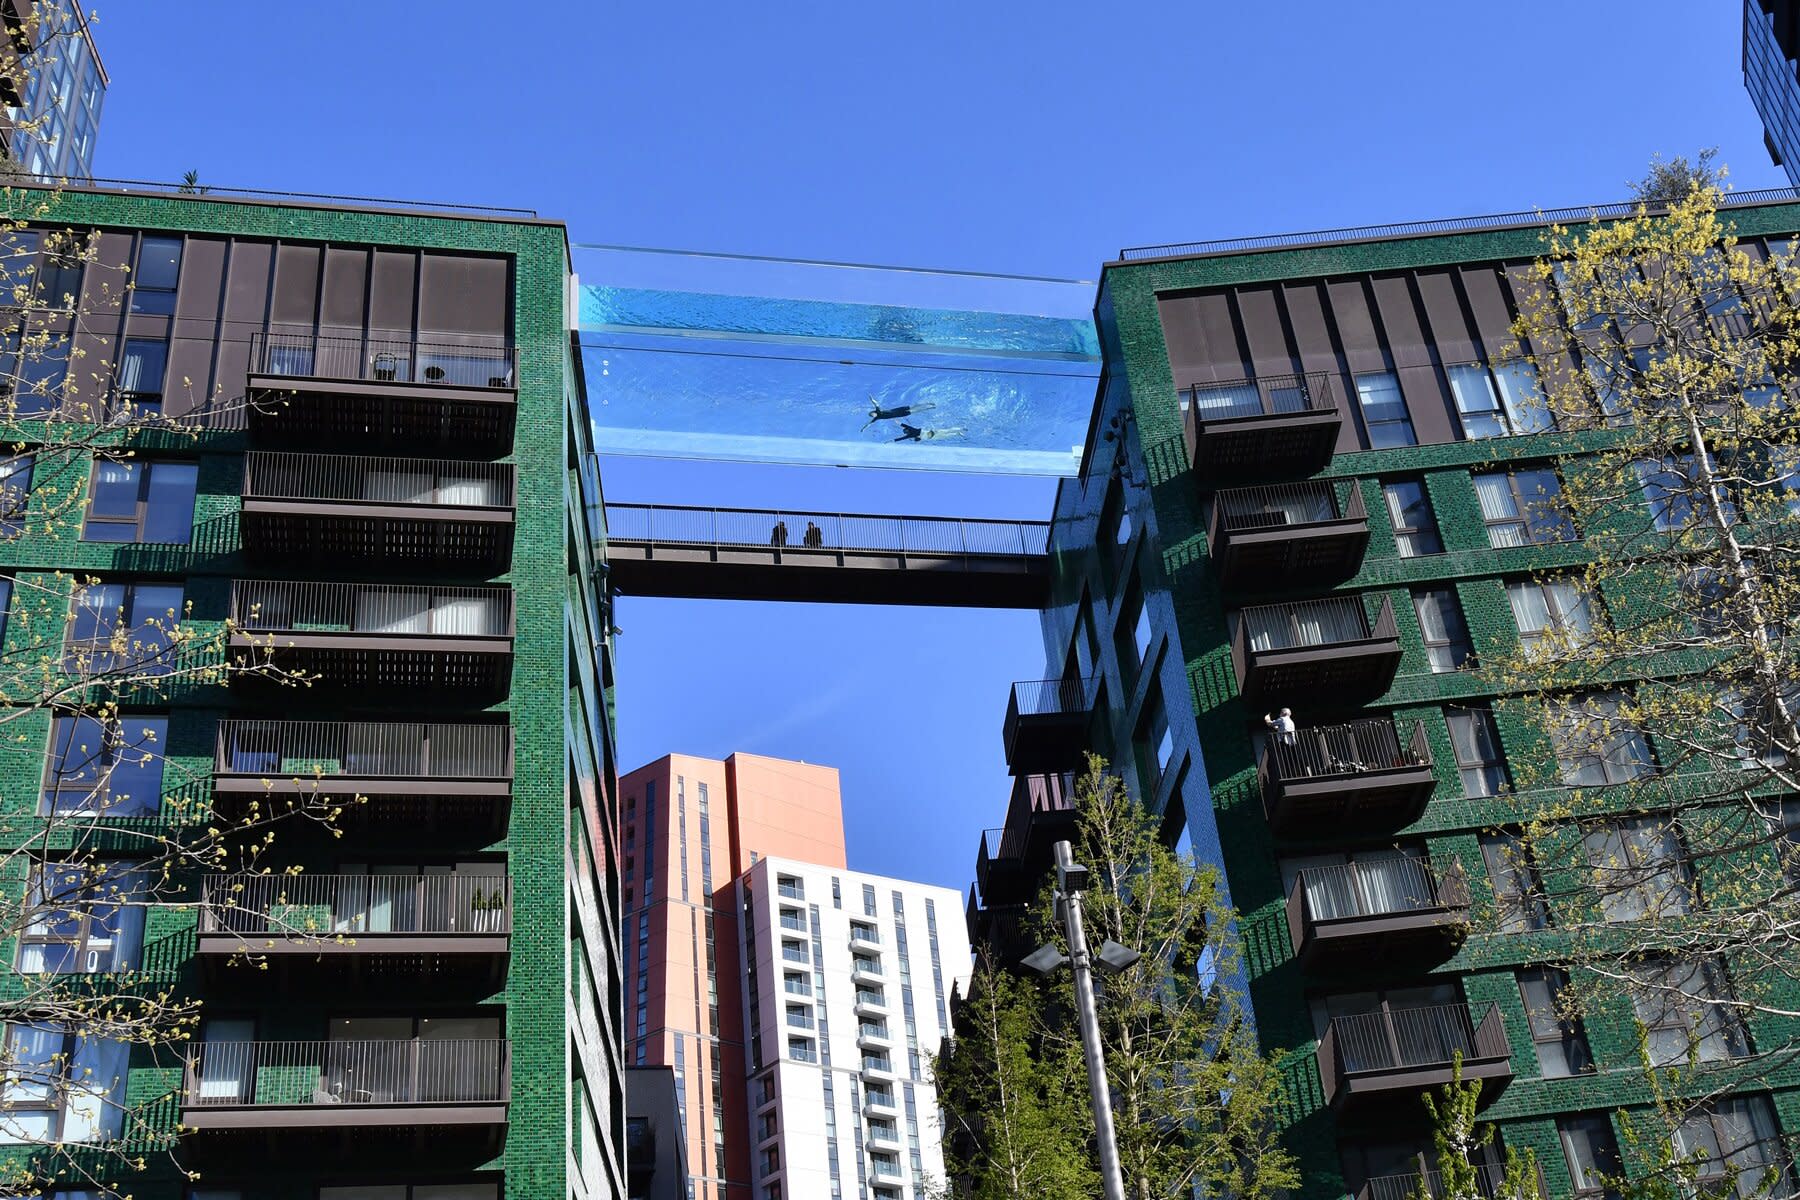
778 535
814 537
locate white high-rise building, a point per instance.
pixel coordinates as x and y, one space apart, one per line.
847 991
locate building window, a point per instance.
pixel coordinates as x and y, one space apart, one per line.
1479 759
158 272
15 494
1384 410
1594 744
1592 1153
1441 624
1415 525
868 892
1523 508
142 502
122 626
1541 606
1671 488
1688 1010
83 918
794 951
1561 1042
1737 1149
141 370
1519 901
1786 821
38 373
1637 867
798 1017
801 1050
111 767
60 1087
1498 401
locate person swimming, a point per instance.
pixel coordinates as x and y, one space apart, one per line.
913 433
878 413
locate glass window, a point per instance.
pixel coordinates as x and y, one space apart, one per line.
1737 1149
800 1049
141 370
1140 632
112 767
158 272
1384 410
1498 401
39 374
1561 1042
15 493
1670 489
1592 1153
1594 744
62 1087
1441 624
1415 525
115 626
1523 507
1519 900
1785 818
1637 868
1687 1010
83 918
1542 605
1478 755
142 502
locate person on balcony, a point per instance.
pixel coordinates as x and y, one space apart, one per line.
1282 723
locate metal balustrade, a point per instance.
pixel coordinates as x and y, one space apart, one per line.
1266 396
1052 697
388 611
382 481
323 906
1284 652
307 1074
1351 749
364 749
1281 505
1397 1039
1490 1179
385 357
1335 620
682 525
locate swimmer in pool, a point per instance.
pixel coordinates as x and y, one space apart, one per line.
878 413
912 433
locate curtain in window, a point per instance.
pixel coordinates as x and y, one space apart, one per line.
142 365
393 612
398 487
1391 882
1495 494
1739 1136
1531 611
1475 401
1525 407
468 616
1232 400
115 937
471 490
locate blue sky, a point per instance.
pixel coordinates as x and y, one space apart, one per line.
1031 138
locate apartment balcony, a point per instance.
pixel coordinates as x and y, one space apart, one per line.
428 643
865 939
446 1097
1013 858
411 777
1315 651
871 1002
866 972
1490 1180
1362 778
1287 535
1400 912
1048 724
424 930
385 391
882 1138
879 1070
873 1035
1257 428
879 1101
1001 928
407 513
1375 1062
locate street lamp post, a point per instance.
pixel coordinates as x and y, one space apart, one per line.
1071 882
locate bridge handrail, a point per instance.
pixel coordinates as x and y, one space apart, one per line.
786 529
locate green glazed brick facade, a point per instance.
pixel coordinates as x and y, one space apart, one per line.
565 1117
1137 464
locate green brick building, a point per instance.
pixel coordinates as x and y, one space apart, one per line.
1306 486
393 493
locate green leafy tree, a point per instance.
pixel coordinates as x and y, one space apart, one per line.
1016 1125
1195 1101
1671 181
1460 1139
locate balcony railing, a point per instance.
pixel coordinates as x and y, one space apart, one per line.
361 480
378 908
1285 535
365 750
1047 723
1405 1050
383 357
1397 910
1369 775
1315 648
349 1078
1283 424
389 615
1490 1180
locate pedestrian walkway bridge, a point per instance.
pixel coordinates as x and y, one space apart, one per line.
770 554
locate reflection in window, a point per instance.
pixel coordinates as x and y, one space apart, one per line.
1441 625
1637 867
1384 410
158 271
1687 1010
1542 606
1498 401
1521 508
1594 744
142 502
1737 1149
1415 525
106 767
1518 890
